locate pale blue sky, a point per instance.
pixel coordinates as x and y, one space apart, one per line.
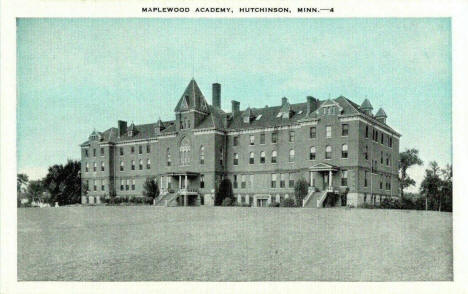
78 74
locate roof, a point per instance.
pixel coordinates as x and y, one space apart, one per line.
381 113
366 105
192 99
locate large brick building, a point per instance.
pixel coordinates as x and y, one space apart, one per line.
344 152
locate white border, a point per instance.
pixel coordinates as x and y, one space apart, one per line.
9 10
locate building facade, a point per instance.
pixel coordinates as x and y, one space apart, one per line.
346 153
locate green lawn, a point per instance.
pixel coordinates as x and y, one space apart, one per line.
143 243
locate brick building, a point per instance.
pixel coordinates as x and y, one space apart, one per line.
346 154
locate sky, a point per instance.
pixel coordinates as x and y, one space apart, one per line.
76 75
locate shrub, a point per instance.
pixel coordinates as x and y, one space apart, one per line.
227 202
288 202
150 188
274 204
224 191
301 188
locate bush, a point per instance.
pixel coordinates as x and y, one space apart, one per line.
301 188
288 202
227 202
274 204
224 191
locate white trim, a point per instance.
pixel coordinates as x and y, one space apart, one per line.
208 131
261 130
370 122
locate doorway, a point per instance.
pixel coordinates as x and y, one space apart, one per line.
261 202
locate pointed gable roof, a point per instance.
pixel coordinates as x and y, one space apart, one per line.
381 113
366 105
192 99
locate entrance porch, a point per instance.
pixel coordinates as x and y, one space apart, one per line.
186 193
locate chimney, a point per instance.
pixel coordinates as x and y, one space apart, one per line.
312 104
235 107
284 100
216 95
122 127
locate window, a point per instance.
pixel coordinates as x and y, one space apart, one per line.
102 151
234 181
252 158
235 159
133 164
344 178
291 181
184 151
202 154
292 136
243 184
94 166
121 165
381 183
273 180
329 133
262 138
252 140
313 132
344 151
148 163
127 185
365 178
121 151
262 157
274 137
381 157
367 131
202 181
312 153
390 142
235 141
168 157
133 184
381 138
122 184
291 155
140 164
95 185
221 156
103 185
94 152
148 148
274 154
344 129
86 153
282 180
87 167
102 165
376 139
366 153
328 151
132 149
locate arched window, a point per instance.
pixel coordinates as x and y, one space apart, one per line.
94 166
87 167
291 155
168 157
133 164
252 158
140 164
184 151
274 154
328 151
121 165
102 166
344 151
262 157
312 153
235 159
148 164
202 154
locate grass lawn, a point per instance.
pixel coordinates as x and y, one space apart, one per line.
144 243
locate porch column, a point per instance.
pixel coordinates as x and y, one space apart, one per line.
330 179
180 182
162 187
185 182
185 199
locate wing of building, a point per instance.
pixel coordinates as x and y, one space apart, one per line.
347 155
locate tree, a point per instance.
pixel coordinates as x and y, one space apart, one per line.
21 180
64 183
35 190
301 188
447 190
150 188
224 191
408 158
431 186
